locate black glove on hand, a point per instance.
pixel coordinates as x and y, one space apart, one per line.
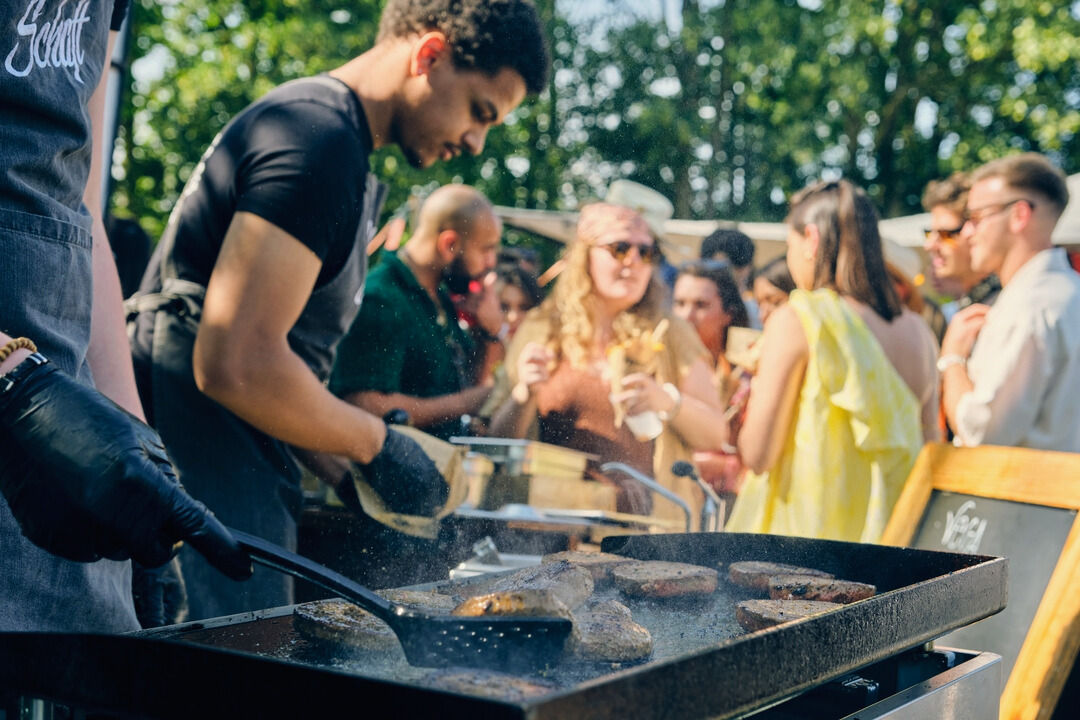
159 593
85 479
405 477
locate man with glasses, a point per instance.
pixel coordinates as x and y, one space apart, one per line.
950 254
1011 373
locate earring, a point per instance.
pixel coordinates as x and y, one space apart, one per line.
808 255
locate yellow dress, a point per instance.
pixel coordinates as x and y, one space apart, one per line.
853 440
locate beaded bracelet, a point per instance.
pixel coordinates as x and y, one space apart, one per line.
13 345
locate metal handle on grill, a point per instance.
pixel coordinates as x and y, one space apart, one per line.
652 485
712 514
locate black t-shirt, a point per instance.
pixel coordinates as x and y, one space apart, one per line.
298 158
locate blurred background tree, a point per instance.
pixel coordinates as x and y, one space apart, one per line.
726 107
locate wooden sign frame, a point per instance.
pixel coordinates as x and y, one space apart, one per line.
1036 477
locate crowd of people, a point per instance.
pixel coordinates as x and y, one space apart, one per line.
259 344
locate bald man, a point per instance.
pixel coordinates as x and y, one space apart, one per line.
406 348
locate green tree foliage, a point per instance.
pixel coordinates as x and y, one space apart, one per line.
741 102
725 106
197 64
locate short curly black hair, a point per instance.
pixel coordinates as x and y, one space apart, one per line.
486 35
733 244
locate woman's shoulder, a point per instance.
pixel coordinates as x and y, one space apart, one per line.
786 331
914 325
683 340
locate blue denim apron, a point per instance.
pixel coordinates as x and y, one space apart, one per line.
51 57
250 480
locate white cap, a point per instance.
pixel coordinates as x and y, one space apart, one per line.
649 203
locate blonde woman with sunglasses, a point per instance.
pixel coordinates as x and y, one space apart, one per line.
608 294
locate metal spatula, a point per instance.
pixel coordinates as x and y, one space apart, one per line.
514 644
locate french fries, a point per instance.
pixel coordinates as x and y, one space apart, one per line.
638 353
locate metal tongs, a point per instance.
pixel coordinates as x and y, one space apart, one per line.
515 644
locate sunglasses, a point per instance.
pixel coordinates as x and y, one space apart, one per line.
945 236
620 250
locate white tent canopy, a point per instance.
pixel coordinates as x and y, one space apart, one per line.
682 238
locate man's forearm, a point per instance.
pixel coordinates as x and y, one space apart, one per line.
272 389
14 358
955 384
424 412
109 354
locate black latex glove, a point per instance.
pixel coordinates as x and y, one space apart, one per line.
405 477
159 594
346 492
85 479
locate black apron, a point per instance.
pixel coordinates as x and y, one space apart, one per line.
52 57
250 480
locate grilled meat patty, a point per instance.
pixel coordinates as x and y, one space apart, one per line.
755 575
660 579
806 587
599 564
344 624
595 606
426 601
489 684
755 615
526 602
607 633
568 582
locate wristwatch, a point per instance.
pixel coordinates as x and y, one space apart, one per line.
11 378
948 360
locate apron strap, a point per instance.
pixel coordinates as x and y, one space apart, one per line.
179 297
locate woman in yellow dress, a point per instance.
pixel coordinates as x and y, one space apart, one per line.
846 388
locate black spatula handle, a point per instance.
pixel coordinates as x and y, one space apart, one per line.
278 558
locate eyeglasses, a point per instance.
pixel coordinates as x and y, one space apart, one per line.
946 236
975 217
620 250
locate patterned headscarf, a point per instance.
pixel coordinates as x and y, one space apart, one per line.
603 223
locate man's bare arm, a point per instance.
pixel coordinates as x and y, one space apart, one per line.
109 353
424 412
261 282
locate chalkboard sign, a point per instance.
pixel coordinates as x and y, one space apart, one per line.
1021 504
1031 536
